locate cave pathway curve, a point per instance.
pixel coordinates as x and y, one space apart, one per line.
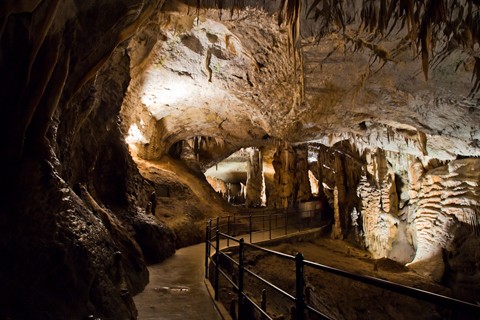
177 290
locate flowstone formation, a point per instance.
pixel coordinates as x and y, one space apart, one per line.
421 214
445 207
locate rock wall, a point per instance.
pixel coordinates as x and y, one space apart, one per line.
232 192
72 209
65 258
199 152
304 191
282 193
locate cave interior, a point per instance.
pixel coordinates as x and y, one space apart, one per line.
126 124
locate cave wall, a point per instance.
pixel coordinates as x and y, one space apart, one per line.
73 223
62 255
100 160
232 192
381 215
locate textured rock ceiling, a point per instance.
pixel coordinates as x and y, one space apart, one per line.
229 79
237 82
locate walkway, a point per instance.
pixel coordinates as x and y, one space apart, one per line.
177 290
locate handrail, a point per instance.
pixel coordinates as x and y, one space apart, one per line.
271 285
300 304
213 235
277 253
398 288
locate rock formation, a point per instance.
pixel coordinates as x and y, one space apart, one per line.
444 208
73 223
255 187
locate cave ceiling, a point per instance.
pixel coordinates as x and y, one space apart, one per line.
234 76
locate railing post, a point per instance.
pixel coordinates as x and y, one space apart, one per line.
209 237
264 302
250 227
232 310
240 279
299 287
218 223
207 247
217 260
228 230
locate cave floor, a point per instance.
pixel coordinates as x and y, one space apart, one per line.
176 289
337 297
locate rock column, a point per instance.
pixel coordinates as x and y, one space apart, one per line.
282 195
255 189
379 199
339 200
302 181
291 181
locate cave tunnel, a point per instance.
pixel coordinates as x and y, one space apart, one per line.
127 124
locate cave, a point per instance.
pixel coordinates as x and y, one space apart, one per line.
127 124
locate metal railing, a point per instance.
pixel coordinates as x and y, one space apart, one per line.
275 222
234 270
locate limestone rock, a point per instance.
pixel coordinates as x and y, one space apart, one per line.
304 191
379 200
66 264
447 200
284 165
255 186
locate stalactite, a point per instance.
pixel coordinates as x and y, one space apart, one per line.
390 134
422 142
